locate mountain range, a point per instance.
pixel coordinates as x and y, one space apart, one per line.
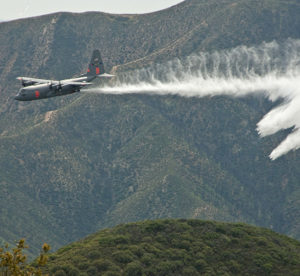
72 165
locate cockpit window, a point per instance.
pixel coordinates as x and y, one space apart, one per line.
22 93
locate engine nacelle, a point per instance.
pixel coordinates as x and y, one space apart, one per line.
27 83
55 87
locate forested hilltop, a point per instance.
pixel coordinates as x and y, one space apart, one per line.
179 247
72 165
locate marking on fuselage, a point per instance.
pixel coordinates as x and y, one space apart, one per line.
37 94
97 70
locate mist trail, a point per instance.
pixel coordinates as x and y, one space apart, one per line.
271 69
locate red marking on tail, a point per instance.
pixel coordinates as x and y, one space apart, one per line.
97 70
37 94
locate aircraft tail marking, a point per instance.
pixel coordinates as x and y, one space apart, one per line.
96 66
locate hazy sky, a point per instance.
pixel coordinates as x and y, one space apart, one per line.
13 9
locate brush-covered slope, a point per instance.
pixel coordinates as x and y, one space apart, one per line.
72 165
179 247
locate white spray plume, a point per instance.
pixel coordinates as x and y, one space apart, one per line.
271 69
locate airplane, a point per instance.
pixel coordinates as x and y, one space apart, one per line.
36 89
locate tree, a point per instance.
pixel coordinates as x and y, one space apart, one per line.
14 262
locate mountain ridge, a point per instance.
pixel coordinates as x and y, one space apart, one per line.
101 160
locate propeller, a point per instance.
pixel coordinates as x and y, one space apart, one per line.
59 86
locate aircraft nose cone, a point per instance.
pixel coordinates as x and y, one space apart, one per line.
17 97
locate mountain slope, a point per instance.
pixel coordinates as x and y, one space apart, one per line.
179 247
72 165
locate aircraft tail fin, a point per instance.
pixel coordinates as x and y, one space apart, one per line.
96 67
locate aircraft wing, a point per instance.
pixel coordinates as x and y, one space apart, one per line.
53 82
34 80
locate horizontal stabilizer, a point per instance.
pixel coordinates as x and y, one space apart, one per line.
78 83
105 75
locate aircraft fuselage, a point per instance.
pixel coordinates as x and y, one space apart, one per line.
43 91
48 90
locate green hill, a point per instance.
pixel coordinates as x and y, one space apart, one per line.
179 247
72 165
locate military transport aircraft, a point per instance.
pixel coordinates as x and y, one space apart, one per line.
36 89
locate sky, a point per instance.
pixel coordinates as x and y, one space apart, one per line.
14 9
